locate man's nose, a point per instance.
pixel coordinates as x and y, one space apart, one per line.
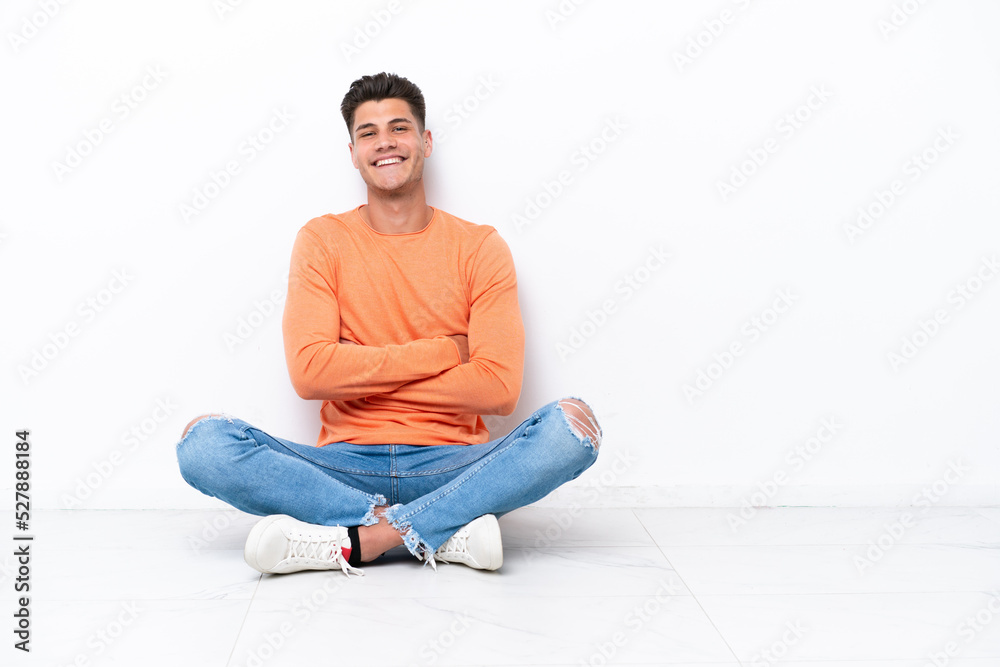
385 141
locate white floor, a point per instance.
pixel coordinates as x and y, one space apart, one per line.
792 586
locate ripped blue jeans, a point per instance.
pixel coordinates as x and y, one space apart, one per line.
430 491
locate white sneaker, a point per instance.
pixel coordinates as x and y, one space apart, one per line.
477 544
280 544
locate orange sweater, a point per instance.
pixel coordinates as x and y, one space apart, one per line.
398 296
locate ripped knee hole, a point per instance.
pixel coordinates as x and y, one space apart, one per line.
581 420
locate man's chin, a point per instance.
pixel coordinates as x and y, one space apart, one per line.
400 190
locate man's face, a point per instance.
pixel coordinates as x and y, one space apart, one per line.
388 148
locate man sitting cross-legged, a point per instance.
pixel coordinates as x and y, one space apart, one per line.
404 321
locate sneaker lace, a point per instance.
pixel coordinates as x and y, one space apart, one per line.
321 549
459 542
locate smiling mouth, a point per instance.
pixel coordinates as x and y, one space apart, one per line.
388 161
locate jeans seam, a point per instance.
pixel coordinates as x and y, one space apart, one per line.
391 472
438 471
482 462
321 464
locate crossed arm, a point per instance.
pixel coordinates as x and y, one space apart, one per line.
460 341
475 372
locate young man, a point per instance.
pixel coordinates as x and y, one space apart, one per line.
404 321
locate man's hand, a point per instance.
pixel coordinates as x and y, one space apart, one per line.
461 342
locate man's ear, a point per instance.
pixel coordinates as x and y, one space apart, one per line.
428 143
354 158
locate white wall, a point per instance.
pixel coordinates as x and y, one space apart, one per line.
881 95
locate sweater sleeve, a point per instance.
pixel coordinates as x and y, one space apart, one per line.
319 366
490 383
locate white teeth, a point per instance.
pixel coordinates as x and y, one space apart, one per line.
393 160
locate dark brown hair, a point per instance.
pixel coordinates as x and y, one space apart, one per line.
378 87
